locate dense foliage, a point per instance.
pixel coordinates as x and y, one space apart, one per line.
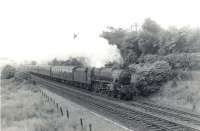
151 39
183 61
148 78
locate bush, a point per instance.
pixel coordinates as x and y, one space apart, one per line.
150 58
179 61
8 72
148 78
182 61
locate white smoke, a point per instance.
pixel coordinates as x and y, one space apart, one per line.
96 49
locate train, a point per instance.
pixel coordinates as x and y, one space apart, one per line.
109 81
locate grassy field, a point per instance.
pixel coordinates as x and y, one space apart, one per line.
23 108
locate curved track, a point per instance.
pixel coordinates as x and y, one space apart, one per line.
124 114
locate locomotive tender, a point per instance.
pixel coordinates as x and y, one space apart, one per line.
113 82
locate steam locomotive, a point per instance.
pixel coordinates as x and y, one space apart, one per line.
109 81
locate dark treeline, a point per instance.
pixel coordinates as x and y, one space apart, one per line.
152 39
72 61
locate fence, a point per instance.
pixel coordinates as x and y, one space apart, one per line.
64 111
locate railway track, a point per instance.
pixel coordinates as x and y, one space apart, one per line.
124 114
173 110
188 118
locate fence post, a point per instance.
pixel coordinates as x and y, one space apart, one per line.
90 126
57 105
67 114
81 120
61 111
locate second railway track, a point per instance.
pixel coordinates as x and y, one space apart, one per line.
188 118
124 114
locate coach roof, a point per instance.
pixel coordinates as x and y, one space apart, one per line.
65 68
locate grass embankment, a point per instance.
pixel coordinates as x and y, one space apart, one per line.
181 93
24 109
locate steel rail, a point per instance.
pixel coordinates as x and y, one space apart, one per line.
186 117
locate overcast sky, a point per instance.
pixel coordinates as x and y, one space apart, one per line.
43 29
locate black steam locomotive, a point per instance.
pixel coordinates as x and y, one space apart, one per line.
113 82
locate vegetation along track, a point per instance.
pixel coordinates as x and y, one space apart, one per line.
123 114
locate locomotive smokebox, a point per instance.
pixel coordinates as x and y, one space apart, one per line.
123 76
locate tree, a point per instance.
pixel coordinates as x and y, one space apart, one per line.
8 72
54 62
79 61
151 26
114 36
176 40
72 61
127 43
150 37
